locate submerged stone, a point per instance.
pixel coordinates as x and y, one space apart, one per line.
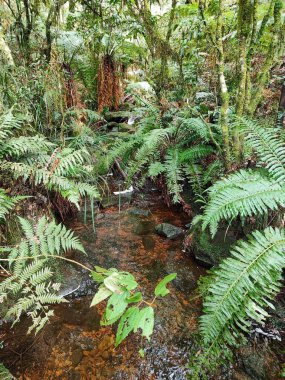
169 230
139 212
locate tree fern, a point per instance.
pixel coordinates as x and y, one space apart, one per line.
241 290
245 193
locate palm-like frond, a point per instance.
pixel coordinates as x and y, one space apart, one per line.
7 203
30 277
173 172
194 153
241 290
268 145
245 193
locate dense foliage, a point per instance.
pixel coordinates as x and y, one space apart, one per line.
188 95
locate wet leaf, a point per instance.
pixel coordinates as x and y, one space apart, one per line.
137 297
101 295
97 277
127 323
161 289
116 306
145 321
120 281
112 282
127 281
100 269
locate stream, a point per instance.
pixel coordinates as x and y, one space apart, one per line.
73 345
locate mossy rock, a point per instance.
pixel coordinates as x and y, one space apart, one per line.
117 116
168 230
207 250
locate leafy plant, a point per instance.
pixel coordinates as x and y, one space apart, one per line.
43 164
242 288
29 278
120 288
5 373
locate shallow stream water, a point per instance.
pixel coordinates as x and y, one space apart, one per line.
74 346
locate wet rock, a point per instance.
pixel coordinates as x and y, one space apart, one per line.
143 227
185 281
207 250
278 316
168 230
76 356
148 243
117 116
204 96
259 363
87 287
139 212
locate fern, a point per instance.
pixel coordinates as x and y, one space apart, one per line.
245 193
152 142
240 291
174 177
41 163
268 145
196 152
30 277
7 203
5 374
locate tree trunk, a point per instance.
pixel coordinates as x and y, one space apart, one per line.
224 94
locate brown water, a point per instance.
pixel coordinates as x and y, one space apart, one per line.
74 346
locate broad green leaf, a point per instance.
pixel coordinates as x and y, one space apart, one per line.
112 282
145 321
101 295
127 280
127 323
100 269
137 297
97 277
116 306
161 289
119 281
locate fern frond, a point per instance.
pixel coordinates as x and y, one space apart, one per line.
30 276
241 290
154 140
7 203
245 193
173 173
268 145
18 146
194 153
